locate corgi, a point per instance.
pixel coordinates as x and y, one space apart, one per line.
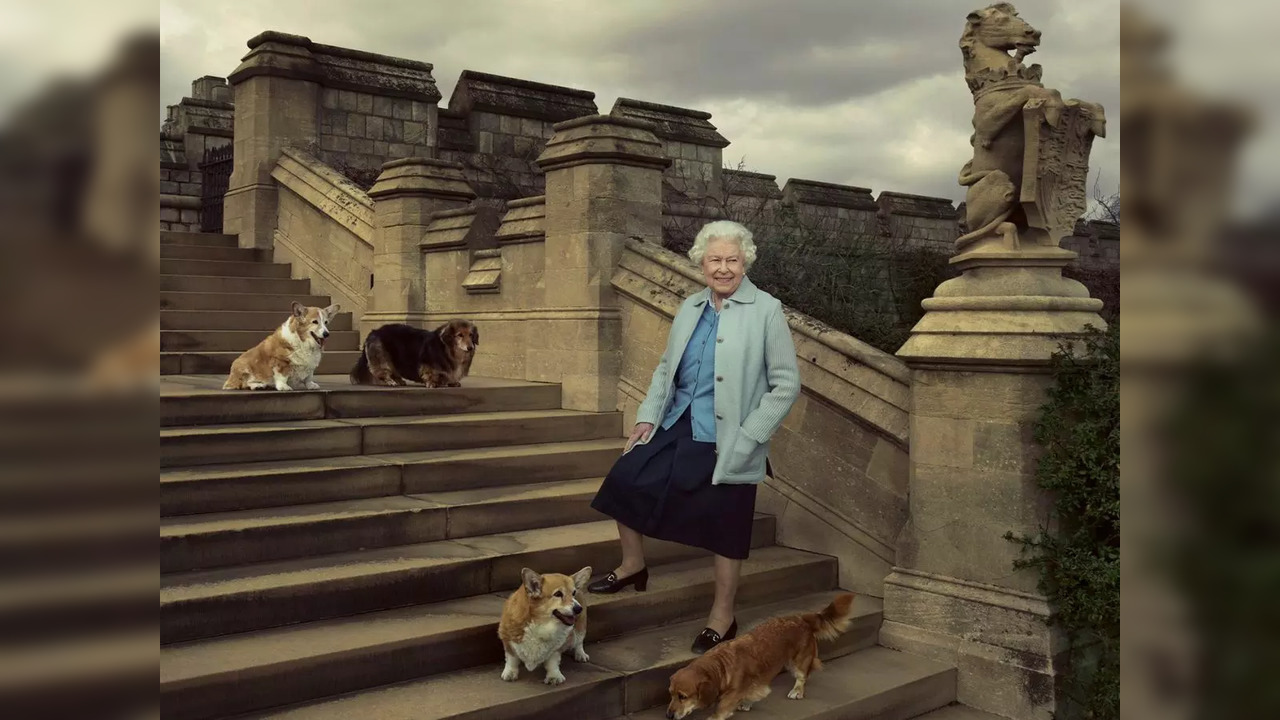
398 353
542 620
287 358
736 674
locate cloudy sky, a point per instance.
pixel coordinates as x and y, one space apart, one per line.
864 93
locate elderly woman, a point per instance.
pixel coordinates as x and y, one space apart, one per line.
724 384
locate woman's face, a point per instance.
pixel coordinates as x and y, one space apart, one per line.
723 266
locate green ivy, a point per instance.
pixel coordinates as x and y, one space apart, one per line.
1078 553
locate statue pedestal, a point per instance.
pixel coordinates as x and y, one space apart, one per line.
979 370
1004 310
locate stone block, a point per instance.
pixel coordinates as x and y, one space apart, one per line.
530 127
381 148
356 125
373 127
364 103
362 146
418 111
414 132
169 214
329 98
347 100
946 442
402 109
485 142
189 189
181 176
169 187
190 216
395 151
507 124
393 130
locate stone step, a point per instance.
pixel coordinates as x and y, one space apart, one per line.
298 439
208 603
280 666
957 711
222 268
205 239
200 400
630 674
872 684
249 536
214 252
263 322
241 486
215 284
280 304
334 362
240 340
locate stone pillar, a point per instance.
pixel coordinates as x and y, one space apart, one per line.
979 370
405 196
603 185
276 96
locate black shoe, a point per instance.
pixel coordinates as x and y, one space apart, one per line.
709 638
610 583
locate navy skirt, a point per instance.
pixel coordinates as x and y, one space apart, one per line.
662 489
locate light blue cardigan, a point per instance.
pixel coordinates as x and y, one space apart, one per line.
757 380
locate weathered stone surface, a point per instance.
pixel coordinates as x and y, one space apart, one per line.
674 123
483 92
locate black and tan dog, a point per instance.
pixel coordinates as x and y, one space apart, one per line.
397 354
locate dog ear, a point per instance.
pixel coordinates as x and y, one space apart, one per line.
532 582
298 309
582 577
706 691
445 332
974 18
332 310
475 335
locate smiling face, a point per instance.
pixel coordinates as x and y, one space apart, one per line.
723 266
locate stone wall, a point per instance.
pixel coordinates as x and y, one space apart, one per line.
840 458
362 129
197 123
461 258
497 126
325 231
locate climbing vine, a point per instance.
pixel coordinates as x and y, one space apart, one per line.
1077 554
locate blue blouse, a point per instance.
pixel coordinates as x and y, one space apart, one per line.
695 379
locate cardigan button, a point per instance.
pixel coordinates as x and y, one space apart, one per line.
719 378
719 340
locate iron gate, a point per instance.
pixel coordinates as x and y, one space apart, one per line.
216 176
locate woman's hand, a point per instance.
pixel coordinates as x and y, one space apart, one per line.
639 432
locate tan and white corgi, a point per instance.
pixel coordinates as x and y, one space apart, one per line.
287 358
542 620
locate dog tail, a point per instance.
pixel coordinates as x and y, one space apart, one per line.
834 620
360 374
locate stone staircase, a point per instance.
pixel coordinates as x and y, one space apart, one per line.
218 300
345 552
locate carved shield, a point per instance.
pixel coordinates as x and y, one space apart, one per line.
1055 168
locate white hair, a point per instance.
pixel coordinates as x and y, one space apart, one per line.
724 230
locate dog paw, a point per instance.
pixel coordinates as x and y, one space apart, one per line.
744 706
581 655
313 385
510 673
796 694
554 679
